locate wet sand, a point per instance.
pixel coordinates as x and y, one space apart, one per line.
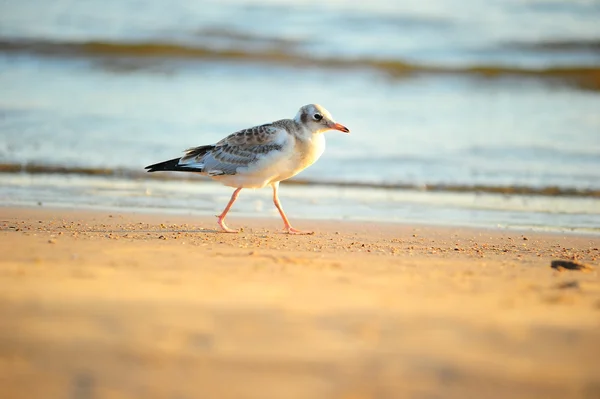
125 305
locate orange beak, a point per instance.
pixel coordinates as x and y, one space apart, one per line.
341 128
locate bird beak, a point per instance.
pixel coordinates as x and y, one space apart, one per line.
339 127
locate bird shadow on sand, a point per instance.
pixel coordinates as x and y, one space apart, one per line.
131 232
161 231
242 232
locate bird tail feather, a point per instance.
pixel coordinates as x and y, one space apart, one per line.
171 165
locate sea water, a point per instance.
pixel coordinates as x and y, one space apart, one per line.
474 112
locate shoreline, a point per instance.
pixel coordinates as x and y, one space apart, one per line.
185 216
136 174
572 215
121 304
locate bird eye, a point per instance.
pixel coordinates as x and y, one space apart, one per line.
317 117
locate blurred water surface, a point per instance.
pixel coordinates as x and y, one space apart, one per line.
475 96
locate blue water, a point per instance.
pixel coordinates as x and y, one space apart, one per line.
72 106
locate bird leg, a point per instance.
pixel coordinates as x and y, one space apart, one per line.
221 217
287 226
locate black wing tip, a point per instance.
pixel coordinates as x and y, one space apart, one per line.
171 164
156 167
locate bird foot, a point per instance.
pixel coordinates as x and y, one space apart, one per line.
224 228
291 230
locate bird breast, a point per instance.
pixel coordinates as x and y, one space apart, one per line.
309 150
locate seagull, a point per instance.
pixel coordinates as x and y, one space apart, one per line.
260 156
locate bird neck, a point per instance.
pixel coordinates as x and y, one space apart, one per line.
305 133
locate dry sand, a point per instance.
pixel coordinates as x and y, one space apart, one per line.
114 305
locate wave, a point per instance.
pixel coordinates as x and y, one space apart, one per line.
242 38
585 77
591 45
453 188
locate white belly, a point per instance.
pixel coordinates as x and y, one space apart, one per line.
294 159
305 154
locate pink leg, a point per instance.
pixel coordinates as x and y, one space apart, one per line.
221 217
286 223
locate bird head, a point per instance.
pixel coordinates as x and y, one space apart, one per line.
317 119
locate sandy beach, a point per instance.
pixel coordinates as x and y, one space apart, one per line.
102 304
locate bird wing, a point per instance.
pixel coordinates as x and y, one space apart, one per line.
238 150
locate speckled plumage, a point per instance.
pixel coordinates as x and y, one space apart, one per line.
261 155
238 150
